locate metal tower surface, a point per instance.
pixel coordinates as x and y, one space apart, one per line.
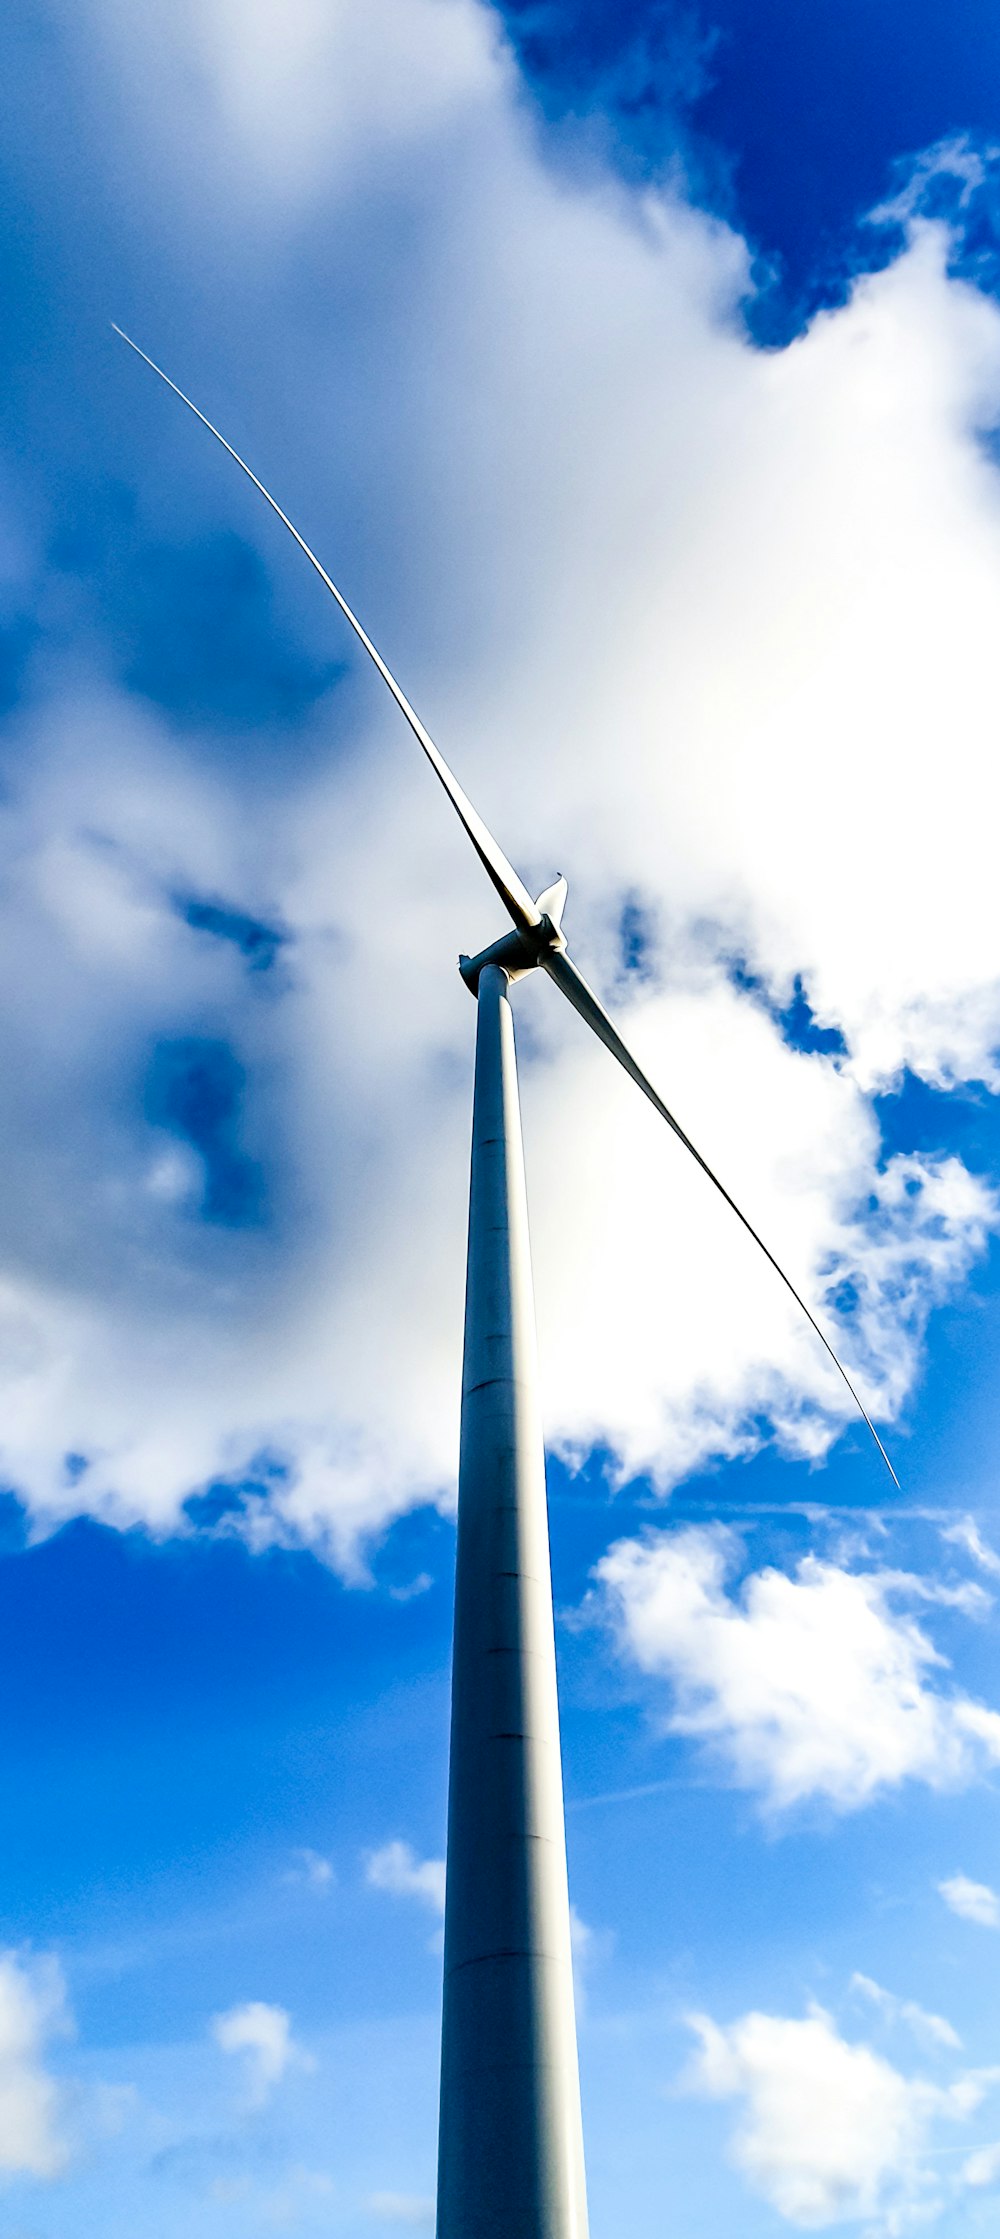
511 2141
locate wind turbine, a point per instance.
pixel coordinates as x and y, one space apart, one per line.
510 2162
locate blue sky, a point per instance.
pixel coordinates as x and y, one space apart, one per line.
637 373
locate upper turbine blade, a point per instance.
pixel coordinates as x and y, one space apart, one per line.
511 889
563 971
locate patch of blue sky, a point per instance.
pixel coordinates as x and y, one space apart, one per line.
193 630
195 1092
793 124
637 941
257 942
917 1115
229 1501
795 1018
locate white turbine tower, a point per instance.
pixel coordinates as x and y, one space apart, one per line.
510 2163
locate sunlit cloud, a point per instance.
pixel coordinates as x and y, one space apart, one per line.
33 2140
971 1900
260 2036
310 1870
815 1685
397 1869
830 2131
932 2031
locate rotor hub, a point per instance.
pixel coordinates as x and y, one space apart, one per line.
516 953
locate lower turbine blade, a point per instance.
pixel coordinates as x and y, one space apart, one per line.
563 971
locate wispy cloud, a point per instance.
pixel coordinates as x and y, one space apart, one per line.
971 1900
397 1869
261 2037
965 1533
33 2142
310 1870
413 2209
931 2030
982 2167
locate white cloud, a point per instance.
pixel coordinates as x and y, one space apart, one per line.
972 1900
311 1870
814 1685
669 585
280 106
589 1947
32 2009
967 1535
830 2132
982 2167
397 1869
410 2208
260 2035
300 2193
581 1938
930 2030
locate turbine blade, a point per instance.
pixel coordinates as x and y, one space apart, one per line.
512 891
553 902
563 971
